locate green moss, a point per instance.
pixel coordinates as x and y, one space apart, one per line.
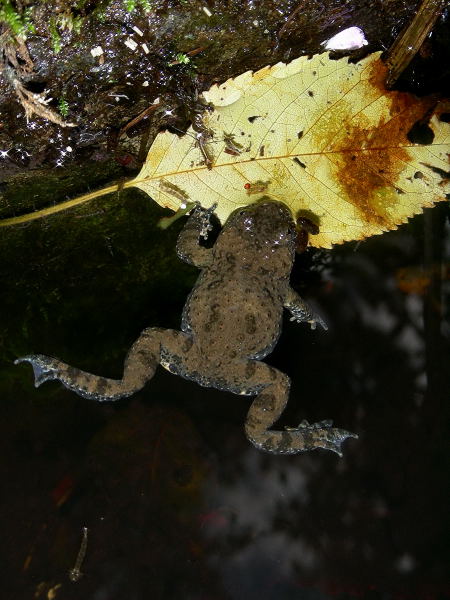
183 58
146 5
63 107
55 36
70 22
131 5
100 15
66 21
19 22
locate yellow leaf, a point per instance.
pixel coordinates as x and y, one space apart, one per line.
323 136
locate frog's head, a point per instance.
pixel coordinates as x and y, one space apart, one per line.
266 222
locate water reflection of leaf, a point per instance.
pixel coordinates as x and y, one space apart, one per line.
414 280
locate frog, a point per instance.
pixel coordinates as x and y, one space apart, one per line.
231 320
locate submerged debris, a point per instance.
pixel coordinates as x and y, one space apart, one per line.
75 574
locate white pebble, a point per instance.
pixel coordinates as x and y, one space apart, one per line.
348 39
132 45
97 51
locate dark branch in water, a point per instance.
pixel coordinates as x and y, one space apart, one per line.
409 42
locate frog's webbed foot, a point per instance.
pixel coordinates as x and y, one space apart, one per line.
301 311
204 215
321 435
197 226
313 319
45 368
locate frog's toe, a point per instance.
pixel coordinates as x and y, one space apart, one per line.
313 321
204 214
335 438
319 425
317 320
44 367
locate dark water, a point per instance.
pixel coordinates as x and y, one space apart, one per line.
177 502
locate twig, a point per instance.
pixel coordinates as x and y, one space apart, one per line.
37 104
13 69
15 51
290 19
75 573
139 118
409 42
190 53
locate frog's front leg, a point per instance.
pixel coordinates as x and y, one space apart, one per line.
140 365
267 408
300 310
188 247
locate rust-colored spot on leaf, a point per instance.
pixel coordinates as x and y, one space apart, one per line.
373 155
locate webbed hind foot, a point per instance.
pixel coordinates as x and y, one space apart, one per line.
45 368
321 435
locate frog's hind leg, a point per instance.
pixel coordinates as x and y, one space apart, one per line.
140 365
267 408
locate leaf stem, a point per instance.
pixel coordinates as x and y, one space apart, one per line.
51 210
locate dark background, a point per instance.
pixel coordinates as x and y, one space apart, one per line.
177 502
